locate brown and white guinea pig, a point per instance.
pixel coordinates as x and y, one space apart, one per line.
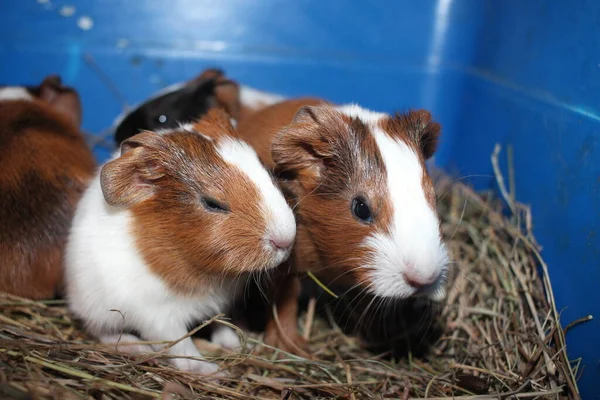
365 203
188 101
168 233
45 166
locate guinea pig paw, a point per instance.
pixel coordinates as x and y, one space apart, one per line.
226 337
195 366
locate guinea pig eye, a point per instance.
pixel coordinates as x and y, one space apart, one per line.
361 209
162 119
213 205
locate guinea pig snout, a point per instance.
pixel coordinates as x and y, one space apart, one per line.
418 280
281 234
281 242
282 237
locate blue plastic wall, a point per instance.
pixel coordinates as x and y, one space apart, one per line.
525 73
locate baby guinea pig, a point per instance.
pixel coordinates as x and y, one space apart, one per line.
168 233
365 203
188 101
45 165
178 103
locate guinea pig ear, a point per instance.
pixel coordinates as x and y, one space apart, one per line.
227 94
130 179
52 81
210 73
420 128
304 147
63 99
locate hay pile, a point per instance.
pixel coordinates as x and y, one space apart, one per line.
500 338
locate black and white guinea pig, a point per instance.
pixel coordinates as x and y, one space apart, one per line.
188 101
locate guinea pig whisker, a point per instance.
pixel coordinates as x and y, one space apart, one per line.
344 261
361 295
311 192
464 276
320 194
430 319
423 319
351 288
257 280
460 220
385 310
268 277
460 178
345 272
354 298
342 297
247 289
237 282
463 177
375 314
366 311
352 310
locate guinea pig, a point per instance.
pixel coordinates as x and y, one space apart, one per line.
184 102
168 234
364 201
45 166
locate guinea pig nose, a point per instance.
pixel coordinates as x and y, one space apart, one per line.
417 281
281 242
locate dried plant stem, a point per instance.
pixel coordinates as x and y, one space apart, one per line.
83 375
310 316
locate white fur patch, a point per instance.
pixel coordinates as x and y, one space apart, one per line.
14 93
366 116
279 216
190 128
414 246
255 99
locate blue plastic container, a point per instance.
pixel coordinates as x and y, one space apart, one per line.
525 73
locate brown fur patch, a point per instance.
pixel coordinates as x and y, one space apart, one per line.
44 167
416 128
259 129
215 125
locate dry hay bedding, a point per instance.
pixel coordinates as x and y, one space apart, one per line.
498 336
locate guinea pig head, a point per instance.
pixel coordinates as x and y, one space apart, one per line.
202 205
365 198
61 98
181 103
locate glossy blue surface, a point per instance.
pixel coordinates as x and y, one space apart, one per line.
525 73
